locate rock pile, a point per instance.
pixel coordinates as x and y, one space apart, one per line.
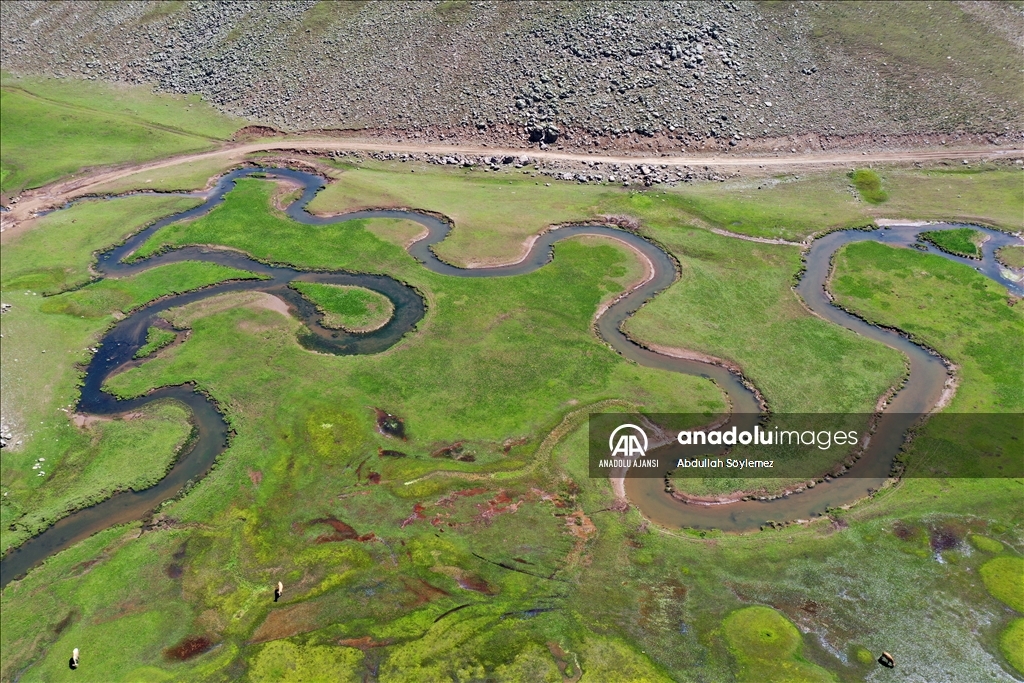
537 72
570 171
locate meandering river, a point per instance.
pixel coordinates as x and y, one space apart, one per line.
927 372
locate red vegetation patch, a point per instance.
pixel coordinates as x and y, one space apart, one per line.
191 646
422 591
290 621
342 531
373 477
255 476
473 582
450 499
417 513
365 643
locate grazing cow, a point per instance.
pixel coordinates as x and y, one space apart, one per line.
278 591
73 662
887 661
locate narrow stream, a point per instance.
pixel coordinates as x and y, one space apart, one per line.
121 342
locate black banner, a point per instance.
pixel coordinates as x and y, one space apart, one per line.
806 445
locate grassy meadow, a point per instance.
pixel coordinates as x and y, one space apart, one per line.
349 308
960 242
947 306
478 547
52 128
46 340
1011 256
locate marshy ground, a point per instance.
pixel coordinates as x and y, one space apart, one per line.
512 566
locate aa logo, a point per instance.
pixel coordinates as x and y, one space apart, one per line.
629 442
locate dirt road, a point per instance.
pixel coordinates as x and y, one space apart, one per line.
33 201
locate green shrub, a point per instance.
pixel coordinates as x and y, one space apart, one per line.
869 185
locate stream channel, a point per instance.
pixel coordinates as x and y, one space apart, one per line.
924 386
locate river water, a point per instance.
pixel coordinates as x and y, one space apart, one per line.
119 345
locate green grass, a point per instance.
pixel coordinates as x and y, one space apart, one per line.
1011 256
968 319
1012 644
734 300
493 213
1004 579
56 252
626 601
773 207
511 376
156 339
948 306
350 308
86 466
185 177
869 185
960 241
909 42
286 662
123 295
990 195
246 222
986 544
53 128
41 353
767 647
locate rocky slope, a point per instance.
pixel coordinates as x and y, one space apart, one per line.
686 73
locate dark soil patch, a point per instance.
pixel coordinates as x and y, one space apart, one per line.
810 607
191 646
174 570
373 477
944 537
512 443
385 453
65 622
904 531
455 451
451 451
390 425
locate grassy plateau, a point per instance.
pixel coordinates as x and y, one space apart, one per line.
53 128
478 548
